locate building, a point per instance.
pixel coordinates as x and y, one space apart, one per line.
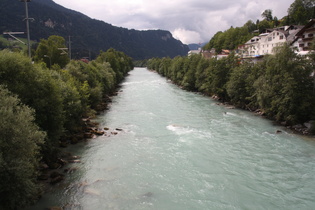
208 54
265 43
303 39
194 52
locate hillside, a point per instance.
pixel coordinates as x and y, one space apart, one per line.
88 36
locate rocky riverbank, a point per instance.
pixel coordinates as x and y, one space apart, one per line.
56 171
301 129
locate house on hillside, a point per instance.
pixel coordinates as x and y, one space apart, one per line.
251 47
303 39
194 52
208 54
265 43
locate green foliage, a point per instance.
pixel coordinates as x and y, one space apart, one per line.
19 152
238 87
36 88
267 15
231 38
50 51
98 78
58 99
263 25
201 74
118 61
284 91
218 74
300 12
73 108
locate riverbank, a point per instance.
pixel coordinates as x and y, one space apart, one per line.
55 172
288 99
306 129
180 150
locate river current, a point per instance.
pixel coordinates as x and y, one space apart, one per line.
178 150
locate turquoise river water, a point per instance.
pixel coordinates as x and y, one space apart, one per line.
180 150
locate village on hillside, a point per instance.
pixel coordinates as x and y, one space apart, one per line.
298 37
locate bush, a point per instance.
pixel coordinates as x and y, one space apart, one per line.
36 88
19 152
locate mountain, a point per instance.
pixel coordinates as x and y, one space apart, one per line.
88 36
196 46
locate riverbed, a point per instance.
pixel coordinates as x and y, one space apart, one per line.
179 150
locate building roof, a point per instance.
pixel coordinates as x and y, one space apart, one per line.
308 25
301 32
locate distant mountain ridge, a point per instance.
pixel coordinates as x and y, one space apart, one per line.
196 46
88 36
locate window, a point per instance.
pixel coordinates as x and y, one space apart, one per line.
281 37
269 39
301 45
310 35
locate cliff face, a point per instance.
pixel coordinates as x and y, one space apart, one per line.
88 36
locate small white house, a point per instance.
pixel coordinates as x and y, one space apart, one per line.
192 52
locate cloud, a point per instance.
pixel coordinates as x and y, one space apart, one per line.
187 36
188 20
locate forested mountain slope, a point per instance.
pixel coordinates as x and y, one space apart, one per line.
88 36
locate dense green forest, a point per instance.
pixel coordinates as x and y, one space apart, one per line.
43 104
280 86
299 13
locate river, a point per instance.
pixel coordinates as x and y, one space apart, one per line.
180 150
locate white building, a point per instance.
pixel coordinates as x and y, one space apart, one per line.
303 39
265 43
193 52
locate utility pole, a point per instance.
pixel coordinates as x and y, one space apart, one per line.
27 27
14 37
70 47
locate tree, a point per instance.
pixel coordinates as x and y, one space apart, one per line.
250 26
189 79
276 21
263 25
284 91
50 51
238 86
267 15
36 88
118 61
200 73
301 11
19 152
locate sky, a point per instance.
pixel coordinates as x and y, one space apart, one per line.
190 21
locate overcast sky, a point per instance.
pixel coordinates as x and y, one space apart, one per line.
191 21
